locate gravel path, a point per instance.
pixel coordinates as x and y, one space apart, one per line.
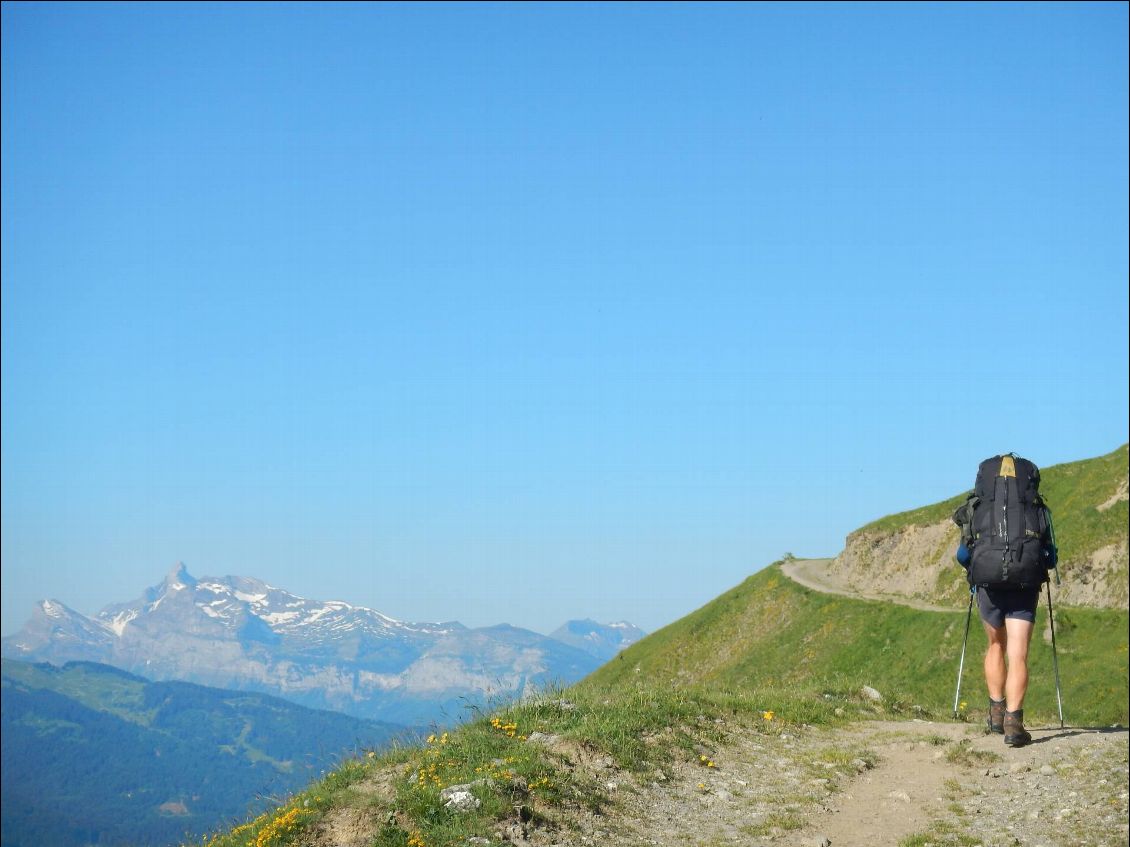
814 574
878 783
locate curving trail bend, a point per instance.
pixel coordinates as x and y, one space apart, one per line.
814 574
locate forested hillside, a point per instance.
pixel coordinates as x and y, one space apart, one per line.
93 755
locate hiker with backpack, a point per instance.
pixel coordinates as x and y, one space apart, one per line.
1007 548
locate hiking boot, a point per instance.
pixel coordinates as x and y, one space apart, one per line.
1015 735
996 716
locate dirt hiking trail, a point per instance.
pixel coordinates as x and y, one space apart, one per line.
814 574
882 783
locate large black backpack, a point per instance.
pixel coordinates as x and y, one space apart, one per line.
1006 526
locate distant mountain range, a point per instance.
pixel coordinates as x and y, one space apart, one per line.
241 633
94 755
602 641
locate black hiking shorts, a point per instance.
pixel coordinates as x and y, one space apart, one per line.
996 604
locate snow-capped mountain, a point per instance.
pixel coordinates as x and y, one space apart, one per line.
75 634
601 641
241 633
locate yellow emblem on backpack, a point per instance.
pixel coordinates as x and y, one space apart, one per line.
1008 467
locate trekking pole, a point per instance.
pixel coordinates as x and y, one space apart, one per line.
1055 547
1055 655
1051 617
964 642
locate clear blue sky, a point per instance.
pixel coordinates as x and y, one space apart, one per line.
523 313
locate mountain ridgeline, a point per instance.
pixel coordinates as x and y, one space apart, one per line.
602 641
241 633
910 554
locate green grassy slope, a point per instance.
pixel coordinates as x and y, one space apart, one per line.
768 632
98 687
1073 490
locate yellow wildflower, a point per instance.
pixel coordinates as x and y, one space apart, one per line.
284 824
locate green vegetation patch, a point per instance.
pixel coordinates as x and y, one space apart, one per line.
941 834
96 686
775 824
962 753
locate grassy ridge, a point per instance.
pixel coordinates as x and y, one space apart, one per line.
516 779
97 687
1074 491
768 631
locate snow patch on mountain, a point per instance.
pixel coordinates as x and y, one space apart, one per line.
119 622
279 617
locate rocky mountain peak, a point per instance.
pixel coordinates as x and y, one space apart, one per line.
179 577
58 615
52 609
53 622
602 641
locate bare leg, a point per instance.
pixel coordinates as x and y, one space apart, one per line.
1019 636
995 672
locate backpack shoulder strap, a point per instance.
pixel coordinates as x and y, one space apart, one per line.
963 517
